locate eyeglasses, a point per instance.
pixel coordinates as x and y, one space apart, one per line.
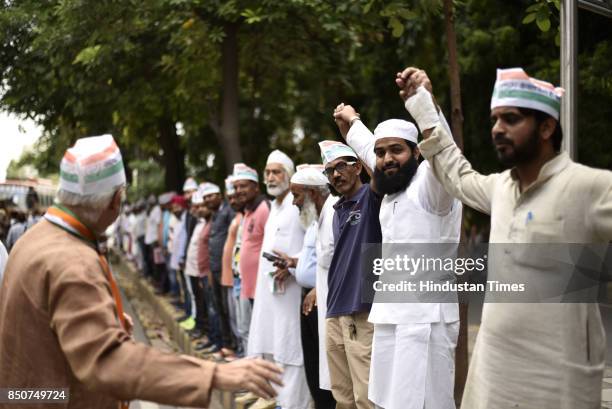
340 167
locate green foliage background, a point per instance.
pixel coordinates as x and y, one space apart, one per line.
131 68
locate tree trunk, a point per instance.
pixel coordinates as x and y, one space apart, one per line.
461 353
453 73
173 157
229 134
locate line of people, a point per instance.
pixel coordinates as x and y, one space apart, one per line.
282 280
303 252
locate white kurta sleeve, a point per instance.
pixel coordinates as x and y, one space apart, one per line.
455 173
361 140
432 195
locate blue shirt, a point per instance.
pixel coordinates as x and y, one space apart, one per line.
306 268
355 223
165 228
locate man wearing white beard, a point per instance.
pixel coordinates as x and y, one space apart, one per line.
275 323
308 211
311 196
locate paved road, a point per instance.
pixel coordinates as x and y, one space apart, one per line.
140 336
474 321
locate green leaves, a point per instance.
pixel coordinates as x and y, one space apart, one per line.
88 55
543 23
252 16
87 67
542 12
397 26
529 18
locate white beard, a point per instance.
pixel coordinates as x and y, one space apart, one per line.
308 213
278 190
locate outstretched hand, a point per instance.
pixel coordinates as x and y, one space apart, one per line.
255 375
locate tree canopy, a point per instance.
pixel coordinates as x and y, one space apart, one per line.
191 86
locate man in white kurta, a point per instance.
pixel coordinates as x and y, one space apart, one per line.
310 191
275 324
325 251
414 343
533 356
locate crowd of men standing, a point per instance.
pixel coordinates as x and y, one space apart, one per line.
280 277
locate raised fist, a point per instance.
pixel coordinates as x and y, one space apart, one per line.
343 114
410 79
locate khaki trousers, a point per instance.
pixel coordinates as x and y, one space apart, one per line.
349 348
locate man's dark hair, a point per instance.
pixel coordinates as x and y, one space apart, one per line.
557 136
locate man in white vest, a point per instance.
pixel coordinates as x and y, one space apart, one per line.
413 349
275 324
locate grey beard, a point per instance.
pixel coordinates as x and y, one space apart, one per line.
308 213
278 190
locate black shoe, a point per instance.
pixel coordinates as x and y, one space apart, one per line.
195 333
203 345
211 350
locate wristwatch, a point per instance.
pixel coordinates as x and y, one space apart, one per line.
353 119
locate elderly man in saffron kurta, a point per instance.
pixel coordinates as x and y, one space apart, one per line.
61 319
532 356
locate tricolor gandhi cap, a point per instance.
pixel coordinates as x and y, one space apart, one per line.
208 188
92 166
243 172
190 185
515 88
309 175
277 156
396 128
332 150
229 185
197 198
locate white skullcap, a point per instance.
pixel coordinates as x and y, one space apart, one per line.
190 184
197 198
309 175
165 198
243 172
208 188
277 156
316 166
397 128
229 185
332 150
92 166
515 88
